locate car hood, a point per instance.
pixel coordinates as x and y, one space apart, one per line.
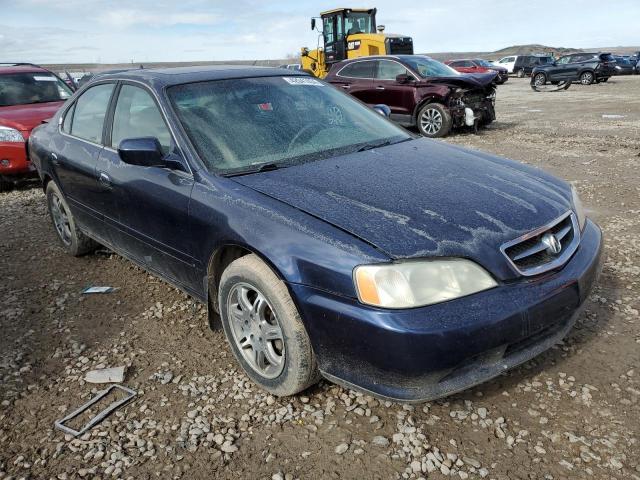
466 80
27 117
423 198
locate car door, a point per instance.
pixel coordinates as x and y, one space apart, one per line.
356 78
400 97
76 152
147 208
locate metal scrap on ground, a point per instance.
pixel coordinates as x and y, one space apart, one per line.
60 424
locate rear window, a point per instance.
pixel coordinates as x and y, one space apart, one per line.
358 70
32 87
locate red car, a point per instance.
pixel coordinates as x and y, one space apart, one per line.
28 95
478 65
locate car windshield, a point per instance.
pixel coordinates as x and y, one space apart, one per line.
32 87
238 125
428 67
545 60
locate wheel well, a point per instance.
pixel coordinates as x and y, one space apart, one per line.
423 103
218 262
46 178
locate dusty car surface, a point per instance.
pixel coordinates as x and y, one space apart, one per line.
420 91
329 241
29 94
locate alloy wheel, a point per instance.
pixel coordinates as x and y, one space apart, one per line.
256 331
61 219
539 80
431 121
586 78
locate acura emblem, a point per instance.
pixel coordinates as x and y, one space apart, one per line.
552 243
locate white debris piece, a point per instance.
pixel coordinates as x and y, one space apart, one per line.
105 375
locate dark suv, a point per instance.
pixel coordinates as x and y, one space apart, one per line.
420 91
525 64
584 67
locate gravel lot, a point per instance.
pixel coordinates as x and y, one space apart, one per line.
573 412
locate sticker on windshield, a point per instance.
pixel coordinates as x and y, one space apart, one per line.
44 79
303 81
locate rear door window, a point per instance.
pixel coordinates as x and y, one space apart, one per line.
358 70
90 112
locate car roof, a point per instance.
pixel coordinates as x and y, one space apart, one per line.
179 75
16 68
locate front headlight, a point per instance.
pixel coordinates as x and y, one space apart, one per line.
419 282
10 135
578 208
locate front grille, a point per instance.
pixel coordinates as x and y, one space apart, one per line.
474 99
533 253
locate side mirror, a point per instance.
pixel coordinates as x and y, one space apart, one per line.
143 152
313 24
404 78
383 109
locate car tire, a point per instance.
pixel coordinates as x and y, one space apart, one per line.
604 80
586 78
520 73
539 79
254 302
74 241
434 120
5 185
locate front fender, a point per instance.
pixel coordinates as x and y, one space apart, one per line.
301 249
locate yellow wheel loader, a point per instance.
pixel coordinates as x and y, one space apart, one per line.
350 33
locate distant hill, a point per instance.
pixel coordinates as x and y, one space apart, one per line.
529 50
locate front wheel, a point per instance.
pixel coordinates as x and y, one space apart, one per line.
73 240
586 78
264 329
5 185
539 79
434 120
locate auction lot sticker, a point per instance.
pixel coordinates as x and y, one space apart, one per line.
303 81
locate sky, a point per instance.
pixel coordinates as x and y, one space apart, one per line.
116 31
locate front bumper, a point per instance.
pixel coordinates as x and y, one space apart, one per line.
13 159
424 353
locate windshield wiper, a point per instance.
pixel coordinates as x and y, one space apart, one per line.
371 146
265 167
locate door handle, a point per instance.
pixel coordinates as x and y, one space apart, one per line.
346 87
379 87
104 180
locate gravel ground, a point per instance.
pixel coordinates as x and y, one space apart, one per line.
573 412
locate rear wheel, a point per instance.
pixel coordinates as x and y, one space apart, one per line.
604 80
520 73
264 329
586 78
73 240
434 120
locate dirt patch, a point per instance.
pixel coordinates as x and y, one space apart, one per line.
573 412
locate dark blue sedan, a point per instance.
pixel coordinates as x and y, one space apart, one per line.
327 241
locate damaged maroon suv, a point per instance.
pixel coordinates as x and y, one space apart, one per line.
421 92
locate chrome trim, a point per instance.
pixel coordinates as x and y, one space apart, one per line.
564 256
